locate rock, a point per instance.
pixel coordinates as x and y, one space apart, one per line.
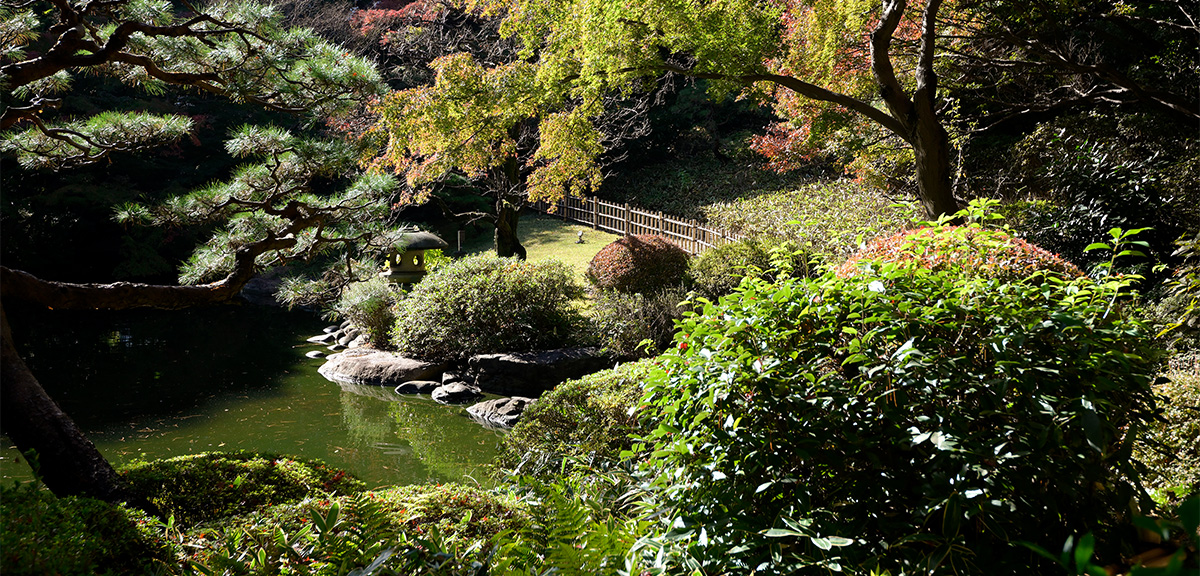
261 289
335 347
501 412
323 339
345 324
455 393
352 331
418 387
331 329
360 340
315 354
369 367
345 340
531 373
452 376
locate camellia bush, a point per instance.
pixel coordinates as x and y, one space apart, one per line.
899 418
484 304
973 250
641 263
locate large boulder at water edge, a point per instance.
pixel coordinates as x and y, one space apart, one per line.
418 387
501 412
375 368
531 373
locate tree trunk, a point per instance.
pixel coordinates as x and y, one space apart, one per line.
507 218
931 151
68 463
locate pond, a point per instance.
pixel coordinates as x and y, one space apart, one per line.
153 384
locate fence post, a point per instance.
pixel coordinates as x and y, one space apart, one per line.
595 218
628 222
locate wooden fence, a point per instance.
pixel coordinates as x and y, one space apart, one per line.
626 220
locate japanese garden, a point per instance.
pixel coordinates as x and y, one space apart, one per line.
728 287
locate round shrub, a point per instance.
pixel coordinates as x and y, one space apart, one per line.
484 304
972 250
590 418
906 420
718 271
642 263
624 321
211 485
369 305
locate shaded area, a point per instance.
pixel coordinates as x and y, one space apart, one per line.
155 384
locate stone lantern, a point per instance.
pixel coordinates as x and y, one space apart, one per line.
406 260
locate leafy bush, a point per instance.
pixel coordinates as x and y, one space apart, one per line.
590 418
43 534
483 304
623 321
900 419
370 305
969 249
641 263
1168 448
212 485
717 271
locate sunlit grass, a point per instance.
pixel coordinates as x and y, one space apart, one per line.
547 237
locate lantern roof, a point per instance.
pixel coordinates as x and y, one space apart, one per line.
420 240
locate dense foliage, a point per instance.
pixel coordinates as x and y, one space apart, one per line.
1168 448
484 304
830 218
213 485
718 271
633 324
589 419
900 418
971 250
639 263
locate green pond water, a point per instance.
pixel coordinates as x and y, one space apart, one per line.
155 384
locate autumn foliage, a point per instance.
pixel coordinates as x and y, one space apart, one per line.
973 250
641 263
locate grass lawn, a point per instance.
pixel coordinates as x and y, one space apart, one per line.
549 237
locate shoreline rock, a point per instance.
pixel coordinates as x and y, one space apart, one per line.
367 367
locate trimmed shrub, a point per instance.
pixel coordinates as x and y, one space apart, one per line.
642 263
905 420
212 485
970 250
46 535
623 321
370 305
483 304
718 271
590 418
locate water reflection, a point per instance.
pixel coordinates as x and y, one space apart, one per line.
154 384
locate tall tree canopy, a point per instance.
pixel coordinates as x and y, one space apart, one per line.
265 214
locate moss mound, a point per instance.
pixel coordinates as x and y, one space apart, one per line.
589 419
43 534
202 487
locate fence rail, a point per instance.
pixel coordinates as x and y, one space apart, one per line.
626 220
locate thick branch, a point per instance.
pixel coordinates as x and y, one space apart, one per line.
125 295
881 66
